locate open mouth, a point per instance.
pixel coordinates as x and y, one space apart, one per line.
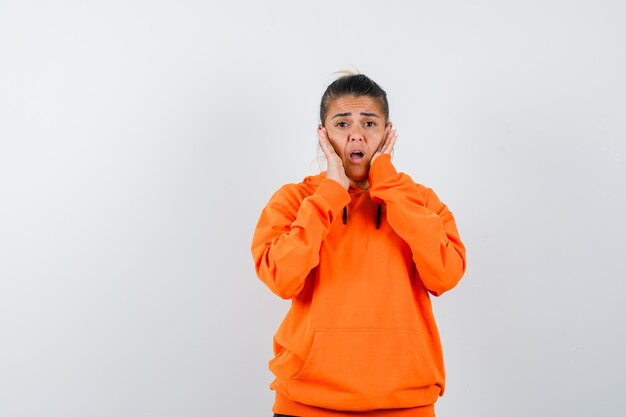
356 156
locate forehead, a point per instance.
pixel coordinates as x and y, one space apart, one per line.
354 105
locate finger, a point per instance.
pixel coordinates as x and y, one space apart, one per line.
391 141
385 142
322 140
324 150
327 147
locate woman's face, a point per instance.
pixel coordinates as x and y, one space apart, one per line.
356 127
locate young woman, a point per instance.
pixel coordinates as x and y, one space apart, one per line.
357 249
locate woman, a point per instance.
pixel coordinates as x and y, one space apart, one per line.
357 249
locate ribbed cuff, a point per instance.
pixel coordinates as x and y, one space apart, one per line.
333 192
381 168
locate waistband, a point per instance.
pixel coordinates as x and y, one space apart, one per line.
283 405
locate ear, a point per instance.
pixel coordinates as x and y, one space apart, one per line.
388 127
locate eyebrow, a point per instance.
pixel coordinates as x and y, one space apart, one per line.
350 114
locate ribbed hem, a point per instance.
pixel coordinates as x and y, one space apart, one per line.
283 405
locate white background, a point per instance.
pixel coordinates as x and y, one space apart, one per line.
139 141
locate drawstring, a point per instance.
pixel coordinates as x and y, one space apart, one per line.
379 210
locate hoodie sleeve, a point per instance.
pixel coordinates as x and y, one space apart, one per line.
418 216
289 234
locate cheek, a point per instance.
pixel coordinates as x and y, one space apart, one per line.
376 143
335 137
335 144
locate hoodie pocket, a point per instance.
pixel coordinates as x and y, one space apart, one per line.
367 363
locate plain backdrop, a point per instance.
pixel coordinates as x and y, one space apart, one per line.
139 141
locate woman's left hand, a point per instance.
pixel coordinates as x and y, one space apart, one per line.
386 145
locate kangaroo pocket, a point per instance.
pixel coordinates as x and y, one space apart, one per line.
360 363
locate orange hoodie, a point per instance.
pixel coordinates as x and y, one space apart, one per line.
360 336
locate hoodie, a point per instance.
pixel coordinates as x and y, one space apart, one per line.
360 335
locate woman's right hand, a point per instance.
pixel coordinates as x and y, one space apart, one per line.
334 166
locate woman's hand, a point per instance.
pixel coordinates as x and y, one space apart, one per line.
335 170
386 145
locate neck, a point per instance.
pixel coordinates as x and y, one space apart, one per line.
363 184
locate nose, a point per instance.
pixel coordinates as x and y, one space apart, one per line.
356 134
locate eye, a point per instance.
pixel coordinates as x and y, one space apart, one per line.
370 124
341 124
